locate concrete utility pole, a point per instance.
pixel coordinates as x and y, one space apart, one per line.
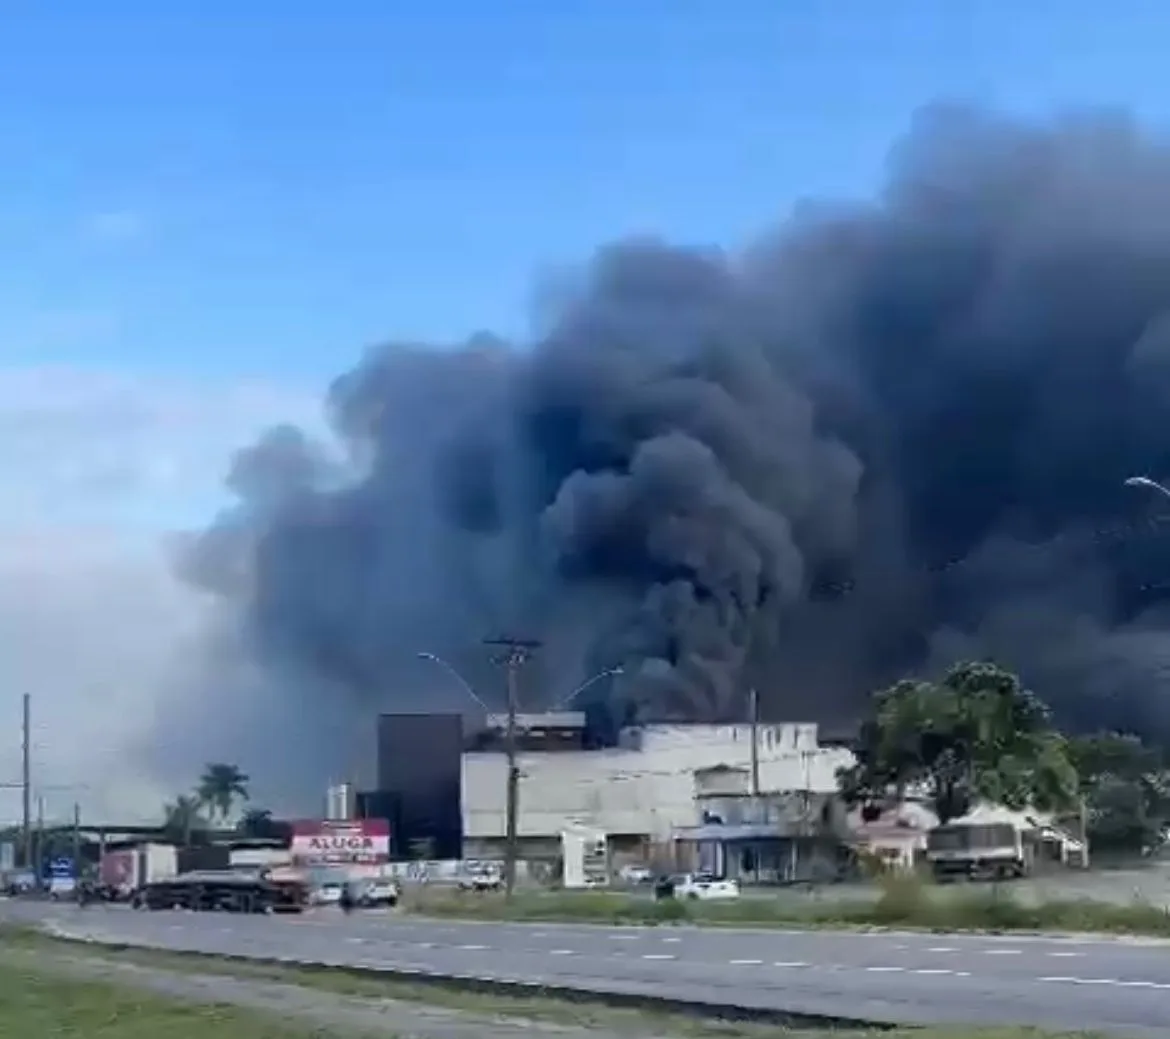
26 777
754 708
515 653
77 841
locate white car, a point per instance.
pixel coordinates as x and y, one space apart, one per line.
705 887
378 893
327 895
636 875
483 879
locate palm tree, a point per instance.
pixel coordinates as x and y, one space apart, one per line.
220 786
181 817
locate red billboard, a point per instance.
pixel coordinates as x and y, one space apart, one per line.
320 842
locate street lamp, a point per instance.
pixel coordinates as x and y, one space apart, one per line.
613 671
463 683
1145 481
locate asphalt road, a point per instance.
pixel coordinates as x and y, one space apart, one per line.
1118 987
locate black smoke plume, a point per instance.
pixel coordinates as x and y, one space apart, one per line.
889 434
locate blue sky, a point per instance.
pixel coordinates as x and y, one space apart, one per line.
208 209
190 189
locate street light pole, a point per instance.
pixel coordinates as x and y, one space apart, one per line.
613 671
463 683
1145 481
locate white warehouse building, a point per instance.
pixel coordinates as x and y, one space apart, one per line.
641 792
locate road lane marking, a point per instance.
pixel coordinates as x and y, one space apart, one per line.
560 952
746 963
473 948
624 937
657 956
884 970
933 970
943 948
1002 952
789 963
1068 955
1115 982
672 939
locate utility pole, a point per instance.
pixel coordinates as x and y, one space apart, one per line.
77 841
40 841
515 653
754 708
26 777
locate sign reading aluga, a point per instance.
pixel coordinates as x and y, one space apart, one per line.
320 841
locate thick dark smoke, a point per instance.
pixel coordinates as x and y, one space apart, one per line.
888 435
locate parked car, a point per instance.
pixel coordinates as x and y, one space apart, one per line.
377 894
636 875
327 895
705 887
483 879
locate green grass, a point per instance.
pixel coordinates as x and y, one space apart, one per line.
36 1003
26 954
905 902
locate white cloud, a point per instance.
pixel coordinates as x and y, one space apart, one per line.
94 468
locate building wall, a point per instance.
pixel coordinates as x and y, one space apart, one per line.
419 781
646 789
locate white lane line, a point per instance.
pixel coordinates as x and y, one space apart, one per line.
1082 981
472 948
657 956
672 939
560 952
1114 982
885 970
624 937
1002 952
424 945
746 963
943 948
789 963
1067 955
932 970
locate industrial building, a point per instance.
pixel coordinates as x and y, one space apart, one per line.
663 791
660 786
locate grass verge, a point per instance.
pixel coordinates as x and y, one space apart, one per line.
905 902
35 1000
39 1002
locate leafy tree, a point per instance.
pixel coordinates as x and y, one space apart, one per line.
182 817
1126 787
220 786
977 734
258 824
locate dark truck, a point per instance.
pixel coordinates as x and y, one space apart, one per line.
225 891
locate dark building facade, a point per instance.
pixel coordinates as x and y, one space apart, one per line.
419 785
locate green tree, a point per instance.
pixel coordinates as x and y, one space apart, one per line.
182 817
976 735
1126 787
258 824
220 786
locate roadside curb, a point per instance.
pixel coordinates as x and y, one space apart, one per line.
600 995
